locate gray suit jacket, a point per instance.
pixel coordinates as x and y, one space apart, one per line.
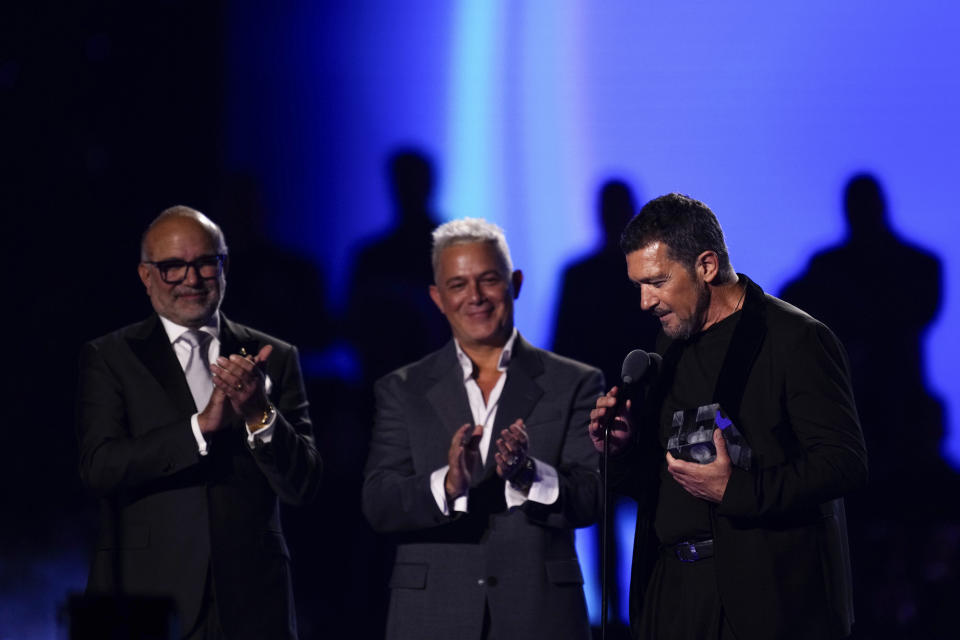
521 562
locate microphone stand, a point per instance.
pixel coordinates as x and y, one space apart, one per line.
635 367
604 536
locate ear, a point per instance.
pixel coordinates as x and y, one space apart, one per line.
708 266
143 270
516 280
435 296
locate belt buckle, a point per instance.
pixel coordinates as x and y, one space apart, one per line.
687 552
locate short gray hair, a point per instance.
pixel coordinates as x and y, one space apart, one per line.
465 231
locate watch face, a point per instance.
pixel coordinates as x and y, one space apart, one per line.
268 415
524 475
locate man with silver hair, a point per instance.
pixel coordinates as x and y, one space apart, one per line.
480 463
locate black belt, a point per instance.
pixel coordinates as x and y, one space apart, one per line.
691 551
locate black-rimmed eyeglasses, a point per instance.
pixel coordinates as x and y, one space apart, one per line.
175 271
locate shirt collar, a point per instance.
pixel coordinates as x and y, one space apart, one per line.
505 355
174 330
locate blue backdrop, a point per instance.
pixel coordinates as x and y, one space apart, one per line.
762 110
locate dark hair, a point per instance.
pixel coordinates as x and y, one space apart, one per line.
687 226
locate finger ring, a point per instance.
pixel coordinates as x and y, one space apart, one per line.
238 387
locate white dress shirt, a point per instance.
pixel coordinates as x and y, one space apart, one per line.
546 486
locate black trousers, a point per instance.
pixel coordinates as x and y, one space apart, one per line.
208 623
682 602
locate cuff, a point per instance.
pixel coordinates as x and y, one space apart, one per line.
545 488
437 480
264 434
197 434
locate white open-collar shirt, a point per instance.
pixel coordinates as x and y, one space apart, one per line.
545 488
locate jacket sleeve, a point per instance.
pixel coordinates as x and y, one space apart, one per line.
822 454
396 496
290 461
112 459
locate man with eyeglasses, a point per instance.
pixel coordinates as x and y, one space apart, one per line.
191 427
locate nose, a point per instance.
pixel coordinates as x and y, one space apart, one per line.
475 292
648 298
192 276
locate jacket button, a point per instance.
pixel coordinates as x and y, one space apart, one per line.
481 582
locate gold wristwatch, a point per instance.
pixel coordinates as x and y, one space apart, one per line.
268 415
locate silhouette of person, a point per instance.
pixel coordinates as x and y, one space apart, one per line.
604 344
392 274
880 294
855 288
390 321
602 275
264 274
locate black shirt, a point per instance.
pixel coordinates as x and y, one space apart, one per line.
680 516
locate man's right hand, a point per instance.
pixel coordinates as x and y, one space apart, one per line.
217 414
603 417
462 458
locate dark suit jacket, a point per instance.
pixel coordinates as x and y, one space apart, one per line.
167 513
522 562
780 532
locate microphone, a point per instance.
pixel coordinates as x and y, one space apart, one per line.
639 365
639 368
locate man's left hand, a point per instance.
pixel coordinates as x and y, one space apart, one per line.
241 379
511 450
707 481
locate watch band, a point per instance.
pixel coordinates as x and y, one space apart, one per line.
268 415
522 478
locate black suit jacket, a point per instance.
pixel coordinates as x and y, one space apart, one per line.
780 533
522 562
170 515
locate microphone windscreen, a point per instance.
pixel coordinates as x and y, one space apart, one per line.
655 361
635 366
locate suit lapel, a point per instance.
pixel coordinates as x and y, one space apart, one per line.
447 395
744 347
234 337
152 347
520 393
